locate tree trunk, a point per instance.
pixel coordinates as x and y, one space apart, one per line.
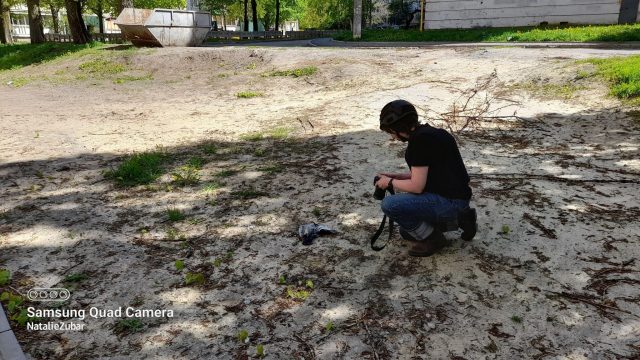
254 14
357 19
100 15
277 15
246 16
36 29
56 19
5 23
224 21
124 4
76 23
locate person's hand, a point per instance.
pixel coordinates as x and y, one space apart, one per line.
383 183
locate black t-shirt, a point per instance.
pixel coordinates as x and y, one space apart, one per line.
437 149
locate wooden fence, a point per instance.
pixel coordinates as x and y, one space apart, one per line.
270 35
114 38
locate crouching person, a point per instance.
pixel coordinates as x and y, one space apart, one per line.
436 189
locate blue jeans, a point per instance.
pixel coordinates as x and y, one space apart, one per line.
418 213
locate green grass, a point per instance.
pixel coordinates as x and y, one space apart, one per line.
550 90
623 74
249 94
305 71
212 187
128 326
226 173
248 193
186 175
102 67
280 133
194 279
137 169
512 34
175 214
254 136
20 55
272 169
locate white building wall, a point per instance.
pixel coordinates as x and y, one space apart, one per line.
441 14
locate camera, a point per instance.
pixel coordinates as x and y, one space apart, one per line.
378 194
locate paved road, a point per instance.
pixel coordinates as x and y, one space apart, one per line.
329 42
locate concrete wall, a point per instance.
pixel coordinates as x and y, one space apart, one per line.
501 13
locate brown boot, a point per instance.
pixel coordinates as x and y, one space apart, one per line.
429 246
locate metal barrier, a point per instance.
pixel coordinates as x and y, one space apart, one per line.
114 38
270 35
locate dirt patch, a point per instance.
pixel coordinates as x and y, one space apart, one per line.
555 189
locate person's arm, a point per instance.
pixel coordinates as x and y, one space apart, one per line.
398 176
415 184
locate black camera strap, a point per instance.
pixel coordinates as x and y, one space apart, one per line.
381 229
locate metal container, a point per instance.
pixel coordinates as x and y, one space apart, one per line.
164 27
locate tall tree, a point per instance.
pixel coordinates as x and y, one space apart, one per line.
125 4
5 23
98 8
277 15
254 14
78 29
54 6
357 19
218 8
36 28
246 16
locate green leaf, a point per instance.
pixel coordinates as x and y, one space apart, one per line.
5 276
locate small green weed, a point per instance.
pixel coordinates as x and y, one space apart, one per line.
186 175
516 319
248 193
175 214
249 94
505 230
329 327
194 279
78 277
254 136
272 169
260 351
137 169
196 162
316 211
259 152
179 265
243 336
297 294
309 284
210 148
212 186
226 173
173 234
282 280
305 71
128 326
280 133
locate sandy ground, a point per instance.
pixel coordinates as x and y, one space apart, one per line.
552 273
